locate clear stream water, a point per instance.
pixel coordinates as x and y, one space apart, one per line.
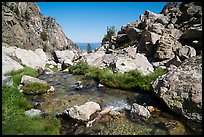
66 95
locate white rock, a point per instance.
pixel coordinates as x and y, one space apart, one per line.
84 111
33 112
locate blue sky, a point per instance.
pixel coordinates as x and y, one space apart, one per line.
87 21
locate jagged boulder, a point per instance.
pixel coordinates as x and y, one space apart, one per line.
181 89
166 47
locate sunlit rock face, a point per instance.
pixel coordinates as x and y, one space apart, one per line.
24 26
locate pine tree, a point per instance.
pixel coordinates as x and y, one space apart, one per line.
88 48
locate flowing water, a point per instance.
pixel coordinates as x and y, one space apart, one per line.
67 95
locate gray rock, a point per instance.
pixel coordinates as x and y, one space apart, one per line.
157 28
8 64
186 52
7 80
181 89
66 56
28 79
34 59
83 112
139 110
121 61
133 34
166 47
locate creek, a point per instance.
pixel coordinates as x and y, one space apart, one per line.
67 95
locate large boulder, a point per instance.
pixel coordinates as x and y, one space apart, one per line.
133 34
28 79
8 64
83 112
66 56
166 47
34 59
181 89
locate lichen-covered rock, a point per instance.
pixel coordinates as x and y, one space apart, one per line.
181 89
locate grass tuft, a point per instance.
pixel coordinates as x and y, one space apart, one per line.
17 74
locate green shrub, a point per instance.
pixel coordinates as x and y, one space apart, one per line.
27 16
132 80
35 88
44 36
17 74
14 120
111 31
55 68
79 68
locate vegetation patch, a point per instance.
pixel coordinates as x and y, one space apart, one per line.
44 36
132 80
35 88
17 74
55 68
14 120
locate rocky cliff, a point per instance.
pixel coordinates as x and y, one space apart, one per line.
31 39
24 26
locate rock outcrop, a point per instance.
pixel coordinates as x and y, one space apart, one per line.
13 57
181 89
31 39
24 26
163 36
120 60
